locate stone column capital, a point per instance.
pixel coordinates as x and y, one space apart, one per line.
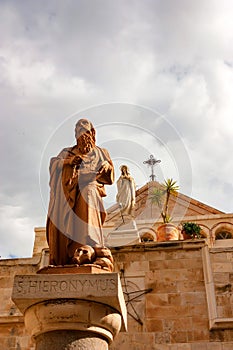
72 314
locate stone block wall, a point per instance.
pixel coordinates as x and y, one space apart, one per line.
174 313
172 290
12 332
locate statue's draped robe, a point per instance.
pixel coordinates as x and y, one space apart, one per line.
125 194
76 212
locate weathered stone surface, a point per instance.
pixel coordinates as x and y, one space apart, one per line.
141 270
59 270
70 340
72 314
71 311
101 288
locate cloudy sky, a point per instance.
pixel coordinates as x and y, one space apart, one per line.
155 77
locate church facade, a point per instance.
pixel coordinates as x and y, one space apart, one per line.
178 293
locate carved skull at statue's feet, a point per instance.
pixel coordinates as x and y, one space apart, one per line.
84 255
97 256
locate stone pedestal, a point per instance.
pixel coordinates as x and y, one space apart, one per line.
66 312
126 233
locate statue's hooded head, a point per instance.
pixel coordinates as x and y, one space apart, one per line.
85 135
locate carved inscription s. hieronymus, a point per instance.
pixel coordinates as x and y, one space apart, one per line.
30 286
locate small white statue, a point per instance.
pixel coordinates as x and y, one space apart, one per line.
126 192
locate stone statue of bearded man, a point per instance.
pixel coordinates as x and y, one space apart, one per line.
76 213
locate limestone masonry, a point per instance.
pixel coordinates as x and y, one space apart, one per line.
178 293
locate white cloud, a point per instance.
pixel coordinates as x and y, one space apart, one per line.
17 234
59 57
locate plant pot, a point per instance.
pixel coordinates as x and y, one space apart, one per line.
167 232
188 236
191 230
185 235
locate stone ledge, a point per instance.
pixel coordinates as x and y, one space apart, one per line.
221 323
168 245
35 260
71 269
11 319
221 249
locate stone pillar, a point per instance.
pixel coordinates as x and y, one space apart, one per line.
72 311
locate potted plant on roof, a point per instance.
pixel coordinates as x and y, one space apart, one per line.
161 196
191 230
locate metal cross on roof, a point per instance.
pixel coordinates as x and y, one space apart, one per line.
152 162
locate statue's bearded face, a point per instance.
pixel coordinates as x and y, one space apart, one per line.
85 135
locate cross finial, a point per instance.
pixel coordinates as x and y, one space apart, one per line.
151 162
